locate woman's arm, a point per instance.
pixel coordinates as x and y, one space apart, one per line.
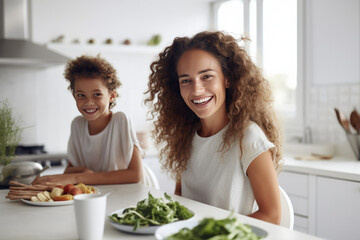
132 174
265 186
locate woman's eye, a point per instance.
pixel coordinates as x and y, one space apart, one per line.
207 76
184 81
80 95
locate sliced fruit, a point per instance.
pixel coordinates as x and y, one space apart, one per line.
65 197
47 195
41 196
35 199
75 191
67 188
56 192
82 186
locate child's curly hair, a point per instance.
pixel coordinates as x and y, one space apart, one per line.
248 98
92 67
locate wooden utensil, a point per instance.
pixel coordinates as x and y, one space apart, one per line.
355 120
343 120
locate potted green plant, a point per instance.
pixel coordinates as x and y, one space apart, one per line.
10 133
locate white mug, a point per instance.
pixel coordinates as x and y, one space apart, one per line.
90 210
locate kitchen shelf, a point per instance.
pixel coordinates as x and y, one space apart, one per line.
73 50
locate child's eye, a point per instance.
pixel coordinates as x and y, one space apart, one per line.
97 94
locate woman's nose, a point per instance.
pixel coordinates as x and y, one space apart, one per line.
198 86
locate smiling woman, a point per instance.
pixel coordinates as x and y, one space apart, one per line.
216 125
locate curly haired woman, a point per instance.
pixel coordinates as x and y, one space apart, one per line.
102 148
216 126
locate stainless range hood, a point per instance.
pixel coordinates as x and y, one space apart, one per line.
15 47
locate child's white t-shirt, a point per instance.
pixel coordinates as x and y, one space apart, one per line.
221 181
109 150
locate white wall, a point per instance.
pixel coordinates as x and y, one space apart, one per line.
41 98
332 63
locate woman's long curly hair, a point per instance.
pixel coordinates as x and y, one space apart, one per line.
248 98
92 67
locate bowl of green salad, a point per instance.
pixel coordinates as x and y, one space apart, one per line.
149 214
209 228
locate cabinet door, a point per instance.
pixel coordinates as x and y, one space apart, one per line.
296 186
338 209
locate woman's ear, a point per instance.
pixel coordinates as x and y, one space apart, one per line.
227 83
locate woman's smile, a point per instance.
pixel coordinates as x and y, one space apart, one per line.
202 101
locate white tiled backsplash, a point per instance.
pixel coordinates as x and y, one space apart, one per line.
320 115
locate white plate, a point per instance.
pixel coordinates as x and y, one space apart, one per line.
164 231
54 203
130 229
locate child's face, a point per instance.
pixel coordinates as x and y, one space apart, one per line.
202 84
92 98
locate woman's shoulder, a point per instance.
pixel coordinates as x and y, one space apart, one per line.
252 127
253 132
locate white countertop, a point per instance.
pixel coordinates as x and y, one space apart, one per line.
40 157
343 165
338 167
21 221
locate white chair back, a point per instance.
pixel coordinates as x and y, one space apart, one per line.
287 210
149 177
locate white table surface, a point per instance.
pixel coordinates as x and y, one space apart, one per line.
21 221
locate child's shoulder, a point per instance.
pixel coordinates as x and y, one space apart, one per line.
120 119
78 120
119 115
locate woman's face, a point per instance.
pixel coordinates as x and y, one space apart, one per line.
202 84
92 98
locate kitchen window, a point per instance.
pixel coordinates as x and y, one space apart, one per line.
275 30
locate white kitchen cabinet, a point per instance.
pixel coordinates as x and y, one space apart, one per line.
296 186
323 206
332 23
338 208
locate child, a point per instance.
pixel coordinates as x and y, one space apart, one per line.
215 121
102 148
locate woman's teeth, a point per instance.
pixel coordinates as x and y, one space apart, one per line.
90 110
202 100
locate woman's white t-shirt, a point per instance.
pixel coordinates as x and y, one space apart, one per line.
221 180
109 150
